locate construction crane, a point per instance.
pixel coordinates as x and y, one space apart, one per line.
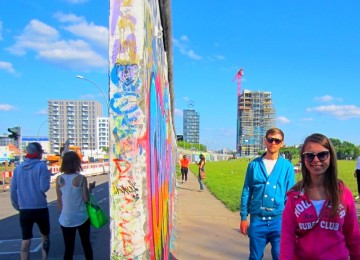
238 76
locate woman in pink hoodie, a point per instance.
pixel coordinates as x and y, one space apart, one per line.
319 220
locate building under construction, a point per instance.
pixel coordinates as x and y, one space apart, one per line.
255 115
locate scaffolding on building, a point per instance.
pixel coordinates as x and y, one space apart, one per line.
255 115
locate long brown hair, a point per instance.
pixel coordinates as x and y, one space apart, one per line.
331 181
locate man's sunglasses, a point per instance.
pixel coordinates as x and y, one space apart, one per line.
270 140
322 156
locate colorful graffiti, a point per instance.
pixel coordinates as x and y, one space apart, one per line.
143 144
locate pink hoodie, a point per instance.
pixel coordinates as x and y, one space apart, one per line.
330 238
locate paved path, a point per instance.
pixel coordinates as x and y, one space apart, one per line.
206 229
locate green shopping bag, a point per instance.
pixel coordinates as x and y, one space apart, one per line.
96 214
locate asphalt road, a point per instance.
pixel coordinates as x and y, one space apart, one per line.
10 232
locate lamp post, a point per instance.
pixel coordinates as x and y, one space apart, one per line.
38 136
101 90
107 104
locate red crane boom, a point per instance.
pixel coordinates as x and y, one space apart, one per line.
238 76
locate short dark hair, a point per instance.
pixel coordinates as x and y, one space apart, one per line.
71 163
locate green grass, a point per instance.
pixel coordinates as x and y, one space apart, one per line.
3 168
225 179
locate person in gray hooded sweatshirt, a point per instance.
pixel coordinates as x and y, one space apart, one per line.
30 182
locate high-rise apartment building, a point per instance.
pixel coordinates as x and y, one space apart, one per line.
102 134
73 120
191 122
255 116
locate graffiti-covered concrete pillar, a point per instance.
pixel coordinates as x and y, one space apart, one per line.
142 137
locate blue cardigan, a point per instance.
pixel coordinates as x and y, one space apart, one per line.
264 196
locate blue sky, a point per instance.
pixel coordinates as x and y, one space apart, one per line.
307 53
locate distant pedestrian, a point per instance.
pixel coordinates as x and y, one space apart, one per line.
29 184
357 175
319 220
201 165
72 194
268 177
184 164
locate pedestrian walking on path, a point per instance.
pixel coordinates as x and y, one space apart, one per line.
72 191
184 167
29 185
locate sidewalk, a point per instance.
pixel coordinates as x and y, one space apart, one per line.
205 228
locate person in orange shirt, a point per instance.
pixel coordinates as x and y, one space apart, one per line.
184 163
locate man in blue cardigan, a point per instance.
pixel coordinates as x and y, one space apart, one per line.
267 180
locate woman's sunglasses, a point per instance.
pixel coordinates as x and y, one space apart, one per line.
270 140
322 156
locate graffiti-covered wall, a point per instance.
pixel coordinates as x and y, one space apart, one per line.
142 142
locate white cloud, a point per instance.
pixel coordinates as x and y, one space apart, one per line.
79 27
283 120
6 107
219 57
178 112
181 45
49 46
66 18
184 38
216 57
339 112
7 66
191 54
326 98
42 112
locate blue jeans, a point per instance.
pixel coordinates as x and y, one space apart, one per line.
261 232
201 182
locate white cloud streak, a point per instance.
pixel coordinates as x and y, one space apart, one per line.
326 98
6 107
178 112
7 66
181 45
340 112
42 112
283 120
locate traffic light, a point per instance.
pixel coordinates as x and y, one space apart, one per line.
15 132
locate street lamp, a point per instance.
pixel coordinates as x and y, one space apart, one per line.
107 104
92 82
38 136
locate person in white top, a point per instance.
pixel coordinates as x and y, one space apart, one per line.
72 194
357 175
